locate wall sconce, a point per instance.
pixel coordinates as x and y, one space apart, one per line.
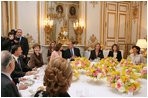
48 23
78 28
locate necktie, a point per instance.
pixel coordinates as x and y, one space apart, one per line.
13 82
18 61
71 52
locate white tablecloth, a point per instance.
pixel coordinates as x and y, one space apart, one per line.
85 87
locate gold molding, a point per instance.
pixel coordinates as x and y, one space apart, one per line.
85 21
80 8
119 27
130 25
2 29
101 23
11 15
109 41
39 22
108 25
140 19
16 18
112 5
123 6
7 19
45 18
104 20
137 24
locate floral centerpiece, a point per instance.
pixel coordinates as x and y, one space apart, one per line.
126 62
95 71
138 70
143 70
76 73
81 63
123 82
109 64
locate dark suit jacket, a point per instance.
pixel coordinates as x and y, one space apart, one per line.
24 45
8 89
67 53
93 54
44 94
17 73
7 44
119 56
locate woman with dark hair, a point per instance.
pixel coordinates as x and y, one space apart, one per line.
57 79
50 50
36 59
136 57
57 51
97 52
115 52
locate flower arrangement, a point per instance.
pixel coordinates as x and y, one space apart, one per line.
109 64
81 63
126 62
76 73
138 70
111 60
123 82
95 71
143 70
144 73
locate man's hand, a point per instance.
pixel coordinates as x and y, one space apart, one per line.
22 79
72 57
24 56
16 41
28 73
34 69
23 87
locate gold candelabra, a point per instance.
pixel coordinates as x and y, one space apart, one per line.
48 29
78 28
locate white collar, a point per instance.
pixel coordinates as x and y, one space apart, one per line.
15 57
8 75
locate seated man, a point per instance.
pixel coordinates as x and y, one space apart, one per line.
21 69
71 52
8 88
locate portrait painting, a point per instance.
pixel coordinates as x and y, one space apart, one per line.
72 11
59 9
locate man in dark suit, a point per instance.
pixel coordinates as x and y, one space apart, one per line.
23 42
8 88
71 52
21 69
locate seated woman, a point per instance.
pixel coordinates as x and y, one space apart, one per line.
57 79
36 59
96 53
57 52
50 50
115 52
136 57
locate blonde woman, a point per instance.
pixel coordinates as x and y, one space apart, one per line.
57 79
